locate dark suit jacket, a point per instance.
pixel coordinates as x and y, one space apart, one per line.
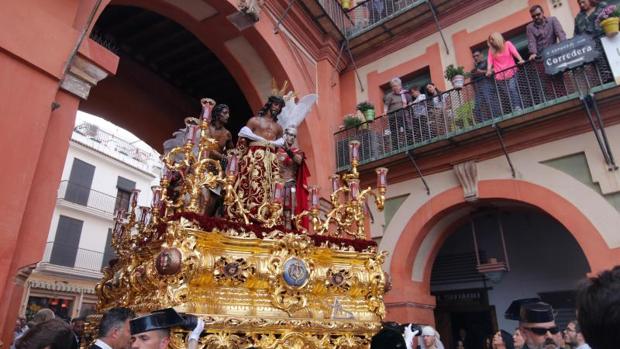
94 347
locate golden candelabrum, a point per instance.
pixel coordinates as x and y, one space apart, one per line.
254 283
348 215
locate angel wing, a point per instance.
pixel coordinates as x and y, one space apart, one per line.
298 111
287 110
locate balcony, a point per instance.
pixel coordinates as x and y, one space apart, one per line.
86 197
372 22
67 259
458 115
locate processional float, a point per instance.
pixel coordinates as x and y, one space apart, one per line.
256 284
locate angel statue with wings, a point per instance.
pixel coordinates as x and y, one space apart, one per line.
292 160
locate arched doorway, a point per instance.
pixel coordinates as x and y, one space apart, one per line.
434 221
543 260
163 72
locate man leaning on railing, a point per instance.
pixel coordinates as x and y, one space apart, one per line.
543 32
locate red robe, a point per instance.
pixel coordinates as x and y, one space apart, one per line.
301 182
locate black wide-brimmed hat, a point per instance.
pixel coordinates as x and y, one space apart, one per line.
514 310
388 338
536 313
157 320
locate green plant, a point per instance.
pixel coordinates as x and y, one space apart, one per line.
363 106
351 121
452 71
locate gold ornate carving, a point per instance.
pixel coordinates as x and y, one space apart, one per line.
232 271
255 286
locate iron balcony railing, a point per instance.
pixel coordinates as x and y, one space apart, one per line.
337 14
365 14
371 13
70 256
481 102
86 196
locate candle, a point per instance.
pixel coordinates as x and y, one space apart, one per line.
134 197
156 189
120 214
354 150
314 196
207 107
192 131
335 180
118 228
206 112
233 165
278 192
381 177
354 187
145 215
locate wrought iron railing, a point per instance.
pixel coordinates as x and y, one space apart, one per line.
86 196
337 14
370 13
479 103
58 253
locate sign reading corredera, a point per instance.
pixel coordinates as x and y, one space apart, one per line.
569 54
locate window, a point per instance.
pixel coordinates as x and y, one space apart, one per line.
418 78
108 253
80 181
122 200
65 248
125 187
517 36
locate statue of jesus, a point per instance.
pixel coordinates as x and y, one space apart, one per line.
258 164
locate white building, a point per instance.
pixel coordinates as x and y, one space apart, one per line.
99 175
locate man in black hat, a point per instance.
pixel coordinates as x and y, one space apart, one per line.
537 323
153 331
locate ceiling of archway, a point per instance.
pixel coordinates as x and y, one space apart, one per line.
172 53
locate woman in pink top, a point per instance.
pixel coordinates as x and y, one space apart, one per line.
500 59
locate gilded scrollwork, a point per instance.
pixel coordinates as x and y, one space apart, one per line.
229 271
256 285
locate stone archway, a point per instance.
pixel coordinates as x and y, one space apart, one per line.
440 216
42 110
253 57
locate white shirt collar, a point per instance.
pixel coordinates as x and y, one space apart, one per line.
101 344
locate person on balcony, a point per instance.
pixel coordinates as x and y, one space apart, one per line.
585 21
501 61
486 103
393 103
543 32
439 113
420 115
397 98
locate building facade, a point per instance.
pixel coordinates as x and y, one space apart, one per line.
478 186
99 176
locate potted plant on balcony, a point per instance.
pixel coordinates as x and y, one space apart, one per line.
456 75
608 20
368 109
351 120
